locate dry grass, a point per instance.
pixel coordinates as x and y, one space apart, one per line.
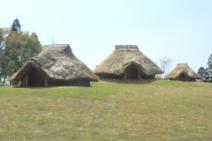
161 110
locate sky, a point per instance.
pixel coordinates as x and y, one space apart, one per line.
178 29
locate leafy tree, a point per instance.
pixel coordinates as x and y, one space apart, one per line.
1 35
4 65
34 35
31 46
1 40
16 26
18 47
3 58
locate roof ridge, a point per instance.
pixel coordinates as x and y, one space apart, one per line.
135 47
56 45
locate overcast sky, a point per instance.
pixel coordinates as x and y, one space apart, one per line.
179 29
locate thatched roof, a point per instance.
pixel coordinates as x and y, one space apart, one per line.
57 62
122 56
180 69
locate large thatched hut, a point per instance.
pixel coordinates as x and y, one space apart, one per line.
127 62
182 72
56 65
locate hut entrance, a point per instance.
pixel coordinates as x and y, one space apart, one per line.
132 72
35 78
183 77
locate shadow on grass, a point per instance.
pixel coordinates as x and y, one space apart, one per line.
143 81
51 87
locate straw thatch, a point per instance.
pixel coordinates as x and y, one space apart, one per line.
182 72
55 65
127 62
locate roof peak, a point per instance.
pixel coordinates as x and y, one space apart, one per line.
57 45
182 64
56 50
133 47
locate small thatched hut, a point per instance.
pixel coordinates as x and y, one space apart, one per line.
182 72
127 62
56 65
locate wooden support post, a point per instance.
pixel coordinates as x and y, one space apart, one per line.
27 80
138 75
46 81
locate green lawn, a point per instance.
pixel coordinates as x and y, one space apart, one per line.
108 111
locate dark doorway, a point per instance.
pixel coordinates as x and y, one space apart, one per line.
183 77
131 72
35 78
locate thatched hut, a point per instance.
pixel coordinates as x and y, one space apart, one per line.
127 62
182 72
56 65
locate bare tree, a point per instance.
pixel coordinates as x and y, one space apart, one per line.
165 63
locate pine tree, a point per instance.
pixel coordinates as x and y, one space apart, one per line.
208 75
16 26
210 62
201 72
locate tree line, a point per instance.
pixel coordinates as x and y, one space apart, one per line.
16 47
206 73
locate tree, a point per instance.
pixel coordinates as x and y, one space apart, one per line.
4 65
208 75
16 26
165 63
18 47
201 72
210 62
34 35
31 47
1 36
2 57
1 40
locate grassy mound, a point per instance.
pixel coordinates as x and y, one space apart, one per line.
125 111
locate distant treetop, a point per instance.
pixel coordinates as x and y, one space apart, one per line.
16 26
210 62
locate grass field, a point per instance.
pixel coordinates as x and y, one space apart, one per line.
108 111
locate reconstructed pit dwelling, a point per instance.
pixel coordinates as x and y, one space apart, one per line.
127 62
56 65
182 72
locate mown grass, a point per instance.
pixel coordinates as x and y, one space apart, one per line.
96 91
121 111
